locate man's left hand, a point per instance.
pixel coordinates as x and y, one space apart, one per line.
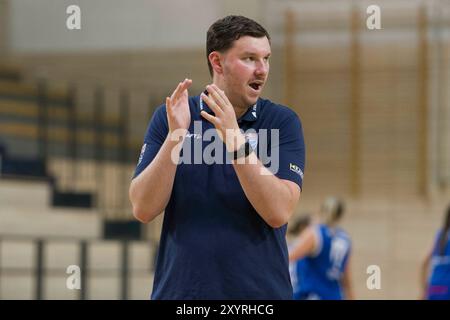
224 119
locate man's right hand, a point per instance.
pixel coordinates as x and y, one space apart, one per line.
177 107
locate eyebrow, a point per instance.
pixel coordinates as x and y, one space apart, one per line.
248 53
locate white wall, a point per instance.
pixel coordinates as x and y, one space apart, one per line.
3 26
40 25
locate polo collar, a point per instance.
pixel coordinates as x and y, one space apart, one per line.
250 115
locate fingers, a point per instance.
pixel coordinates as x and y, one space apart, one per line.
208 117
185 85
175 93
213 120
168 106
212 104
188 83
180 89
218 95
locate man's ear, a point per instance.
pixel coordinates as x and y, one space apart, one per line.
216 63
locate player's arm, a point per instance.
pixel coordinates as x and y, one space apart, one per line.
305 244
424 271
150 191
347 282
273 198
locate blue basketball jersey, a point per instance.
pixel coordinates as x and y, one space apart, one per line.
295 270
295 274
319 276
439 278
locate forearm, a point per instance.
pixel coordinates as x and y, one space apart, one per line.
347 283
304 245
424 276
300 250
271 198
348 288
150 191
348 291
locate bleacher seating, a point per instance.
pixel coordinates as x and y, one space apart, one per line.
37 204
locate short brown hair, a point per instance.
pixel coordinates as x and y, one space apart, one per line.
225 31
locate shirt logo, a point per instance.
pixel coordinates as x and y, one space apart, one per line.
252 138
296 169
141 156
194 135
254 111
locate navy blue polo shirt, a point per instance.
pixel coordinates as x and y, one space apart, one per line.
214 245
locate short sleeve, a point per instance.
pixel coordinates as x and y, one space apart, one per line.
154 138
291 150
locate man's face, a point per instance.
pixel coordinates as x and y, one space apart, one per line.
245 70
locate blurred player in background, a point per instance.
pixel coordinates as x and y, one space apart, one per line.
324 253
436 266
296 228
224 229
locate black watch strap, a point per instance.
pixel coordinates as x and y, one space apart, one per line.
243 151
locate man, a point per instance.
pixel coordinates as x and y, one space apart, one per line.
322 254
295 229
223 235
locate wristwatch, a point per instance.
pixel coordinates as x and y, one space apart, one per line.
243 151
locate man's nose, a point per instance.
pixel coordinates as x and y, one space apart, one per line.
262 68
